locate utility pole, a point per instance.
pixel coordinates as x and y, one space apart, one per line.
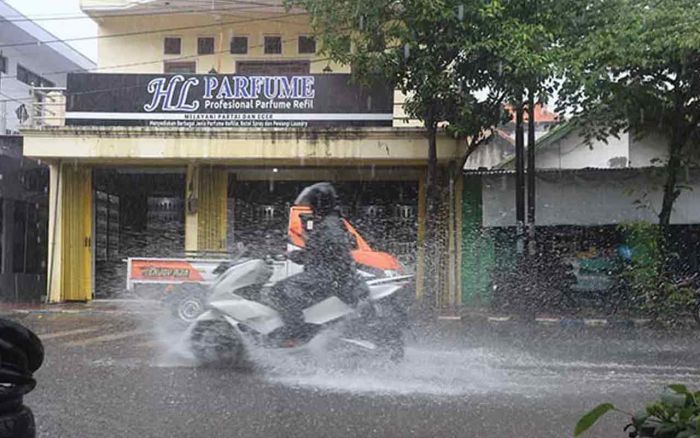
519 176
531 140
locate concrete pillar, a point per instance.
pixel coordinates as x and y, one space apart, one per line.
206 209
53 274
191 208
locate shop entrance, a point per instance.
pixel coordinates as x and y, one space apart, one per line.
384 213
139 212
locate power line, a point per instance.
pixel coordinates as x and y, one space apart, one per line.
13 99
172 11
147 32
159 60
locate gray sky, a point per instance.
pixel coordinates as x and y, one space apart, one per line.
74 28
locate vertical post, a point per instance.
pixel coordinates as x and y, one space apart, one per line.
191 208
459 209
531 140
519 175
420 256
54 275
8 222
451 245
3 109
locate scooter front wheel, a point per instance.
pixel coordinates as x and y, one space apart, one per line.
215 343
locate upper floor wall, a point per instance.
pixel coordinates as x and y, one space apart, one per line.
96 7
163 42
150 37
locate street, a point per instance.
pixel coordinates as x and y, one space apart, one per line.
121 374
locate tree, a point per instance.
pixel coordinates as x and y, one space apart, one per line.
636 67
434 52
526 46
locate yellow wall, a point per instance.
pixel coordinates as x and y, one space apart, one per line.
143 53
70 233
205 211
390 146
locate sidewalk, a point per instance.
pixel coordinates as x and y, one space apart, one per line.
486 316
117 307
465 316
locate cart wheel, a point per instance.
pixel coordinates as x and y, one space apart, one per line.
187 302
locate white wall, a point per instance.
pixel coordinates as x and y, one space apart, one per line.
591 198
51 61
648 148
490 154
572 152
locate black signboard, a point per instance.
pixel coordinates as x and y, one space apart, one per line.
192 101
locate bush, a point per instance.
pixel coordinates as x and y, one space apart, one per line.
652 289
675 415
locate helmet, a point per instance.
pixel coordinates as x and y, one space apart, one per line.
321 197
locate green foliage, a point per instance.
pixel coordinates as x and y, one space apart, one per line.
592 417
652 289
675 415
632 65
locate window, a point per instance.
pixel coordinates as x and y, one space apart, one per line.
179 67
307 44
205 46
3 64
172 46
239 45
273 45
30 78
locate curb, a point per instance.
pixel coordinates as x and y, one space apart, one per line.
75 312
575 323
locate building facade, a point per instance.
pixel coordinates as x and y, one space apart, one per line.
585 192
27 60
198 131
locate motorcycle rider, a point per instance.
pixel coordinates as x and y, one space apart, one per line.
329 268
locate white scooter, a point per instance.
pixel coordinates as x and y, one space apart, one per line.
237 310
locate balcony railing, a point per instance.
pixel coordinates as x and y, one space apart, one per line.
46 108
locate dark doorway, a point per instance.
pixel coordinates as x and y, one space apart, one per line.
138 213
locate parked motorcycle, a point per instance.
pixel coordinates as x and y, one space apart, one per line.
239 313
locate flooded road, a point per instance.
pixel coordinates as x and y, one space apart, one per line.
106 375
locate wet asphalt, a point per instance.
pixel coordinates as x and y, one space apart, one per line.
128 375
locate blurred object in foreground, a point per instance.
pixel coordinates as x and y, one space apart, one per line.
21 354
